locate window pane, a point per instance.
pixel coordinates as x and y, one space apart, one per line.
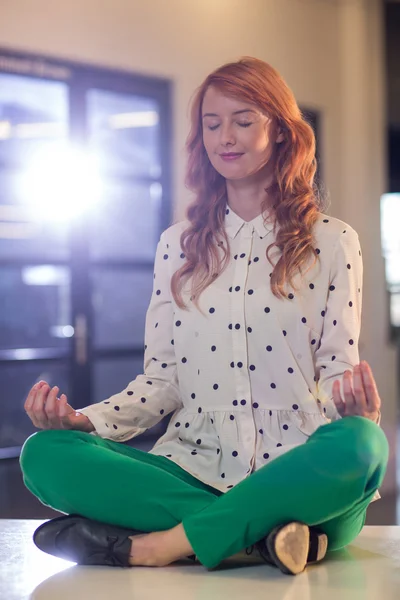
124 133
36 310
33 124
15 382
23 233
125 223
120 302
33 113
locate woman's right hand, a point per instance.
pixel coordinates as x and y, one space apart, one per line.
46 411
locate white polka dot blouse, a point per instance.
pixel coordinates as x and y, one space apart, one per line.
252 377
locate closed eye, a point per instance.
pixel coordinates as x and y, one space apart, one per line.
214 127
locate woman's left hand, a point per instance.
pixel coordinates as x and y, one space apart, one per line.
361 396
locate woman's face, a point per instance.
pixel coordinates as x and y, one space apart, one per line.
231 126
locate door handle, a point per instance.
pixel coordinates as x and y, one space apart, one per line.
81 339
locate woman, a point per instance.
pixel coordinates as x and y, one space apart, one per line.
248 351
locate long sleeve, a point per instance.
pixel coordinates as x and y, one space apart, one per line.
338 349
151 396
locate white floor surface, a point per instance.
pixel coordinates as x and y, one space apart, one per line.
368 569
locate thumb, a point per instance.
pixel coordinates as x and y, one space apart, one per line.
66 412
63 406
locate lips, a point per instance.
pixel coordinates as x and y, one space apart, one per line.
231 154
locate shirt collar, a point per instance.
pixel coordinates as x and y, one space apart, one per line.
234 223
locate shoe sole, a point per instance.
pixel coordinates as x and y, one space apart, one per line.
293 546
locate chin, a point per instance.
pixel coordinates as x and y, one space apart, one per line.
235 176
230 172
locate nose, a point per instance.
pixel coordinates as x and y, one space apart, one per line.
227 136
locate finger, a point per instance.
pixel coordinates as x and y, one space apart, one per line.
359 392
51 408
371 391
29 403
337 398
31 396
63 413
38 406
351 406
62 406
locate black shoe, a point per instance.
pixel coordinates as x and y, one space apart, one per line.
293 546
84 541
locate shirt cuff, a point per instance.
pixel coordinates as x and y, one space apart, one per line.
100 428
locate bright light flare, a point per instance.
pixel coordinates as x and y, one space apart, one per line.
61 183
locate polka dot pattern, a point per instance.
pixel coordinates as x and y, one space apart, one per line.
250 375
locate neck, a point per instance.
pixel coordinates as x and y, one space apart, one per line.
247 197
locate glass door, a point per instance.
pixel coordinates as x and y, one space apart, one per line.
84 196
35 273
124 135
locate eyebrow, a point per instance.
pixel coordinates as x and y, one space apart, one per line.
237 112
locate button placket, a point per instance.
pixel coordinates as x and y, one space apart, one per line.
239 338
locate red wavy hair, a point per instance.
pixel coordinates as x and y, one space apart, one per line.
296 198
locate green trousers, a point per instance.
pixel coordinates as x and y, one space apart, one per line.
328 481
